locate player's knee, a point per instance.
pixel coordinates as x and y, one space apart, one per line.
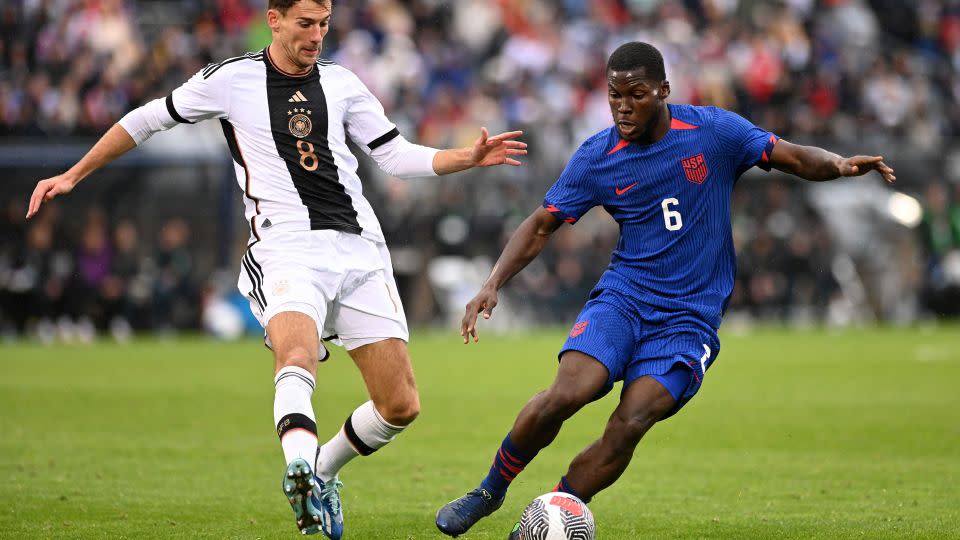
401 412
561 403
625 432
297 356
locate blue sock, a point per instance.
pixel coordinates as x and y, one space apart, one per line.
507 464
564 487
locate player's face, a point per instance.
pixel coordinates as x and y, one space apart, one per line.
637 103
299 32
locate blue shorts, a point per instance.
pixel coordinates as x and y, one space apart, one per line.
633 340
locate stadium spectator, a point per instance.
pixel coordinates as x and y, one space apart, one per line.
940 236
126 290
176 303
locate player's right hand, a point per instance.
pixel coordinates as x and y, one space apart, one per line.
484 301
47 189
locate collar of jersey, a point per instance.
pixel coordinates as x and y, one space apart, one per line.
273 64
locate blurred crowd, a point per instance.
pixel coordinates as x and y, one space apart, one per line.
868 76
68 284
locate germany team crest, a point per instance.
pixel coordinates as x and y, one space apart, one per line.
695 168
300 124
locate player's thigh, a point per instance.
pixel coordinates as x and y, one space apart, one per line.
388 374
276 278
294 340
607 334
580 379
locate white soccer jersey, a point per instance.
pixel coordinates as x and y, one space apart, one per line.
288 138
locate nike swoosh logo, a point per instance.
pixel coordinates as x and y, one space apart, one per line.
624 190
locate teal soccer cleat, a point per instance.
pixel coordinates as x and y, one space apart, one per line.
300 489
332 510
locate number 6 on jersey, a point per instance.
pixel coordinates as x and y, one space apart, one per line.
671 218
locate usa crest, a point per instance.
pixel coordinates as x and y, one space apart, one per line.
300 124
695 168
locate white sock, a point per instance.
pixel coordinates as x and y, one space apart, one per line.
293 413
364 432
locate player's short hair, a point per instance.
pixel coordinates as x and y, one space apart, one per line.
283 5
636 55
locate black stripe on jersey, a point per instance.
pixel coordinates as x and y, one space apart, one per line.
212 68
309 159
231 136
173 111
385 138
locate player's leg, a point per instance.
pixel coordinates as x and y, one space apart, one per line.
666 373
295 343
394 404
580 379
271 270
370 321
643 403
594 355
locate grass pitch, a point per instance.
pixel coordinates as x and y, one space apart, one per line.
812 434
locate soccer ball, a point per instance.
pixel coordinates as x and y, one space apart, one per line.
556 516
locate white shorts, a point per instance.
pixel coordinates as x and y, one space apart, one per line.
343 281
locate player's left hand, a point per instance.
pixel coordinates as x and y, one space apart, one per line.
497 150
861 165
484 301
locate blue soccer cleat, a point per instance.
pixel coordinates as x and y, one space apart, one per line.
332 510
457 516
300 489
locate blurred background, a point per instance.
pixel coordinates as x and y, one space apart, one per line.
152 243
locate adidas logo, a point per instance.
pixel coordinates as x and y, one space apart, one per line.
297 98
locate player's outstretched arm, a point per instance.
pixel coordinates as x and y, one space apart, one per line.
817 164
500 149
114 143
524 245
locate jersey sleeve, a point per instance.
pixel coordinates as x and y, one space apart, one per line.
747 144
367 124
201 97
197 99
574 193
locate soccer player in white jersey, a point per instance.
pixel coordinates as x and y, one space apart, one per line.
316 267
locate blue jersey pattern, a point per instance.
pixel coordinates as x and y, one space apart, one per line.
672 202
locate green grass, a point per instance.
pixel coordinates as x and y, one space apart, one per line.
815 434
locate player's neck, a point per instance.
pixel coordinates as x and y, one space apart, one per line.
658 129
280 60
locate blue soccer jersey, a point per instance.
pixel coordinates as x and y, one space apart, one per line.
672 201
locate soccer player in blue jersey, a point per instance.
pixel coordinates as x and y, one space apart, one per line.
665 173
